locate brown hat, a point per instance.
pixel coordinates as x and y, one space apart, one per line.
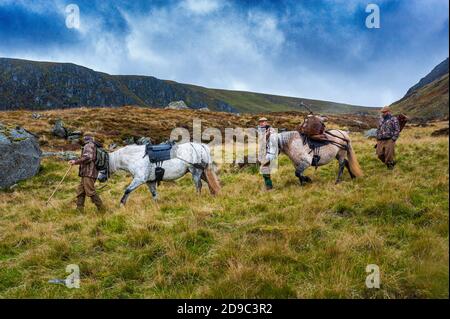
385 109
262 119
88 134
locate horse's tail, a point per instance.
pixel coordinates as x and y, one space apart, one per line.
210 172
212 179
353 161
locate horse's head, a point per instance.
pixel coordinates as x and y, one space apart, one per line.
102 176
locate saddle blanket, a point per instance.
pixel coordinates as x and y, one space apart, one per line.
313 144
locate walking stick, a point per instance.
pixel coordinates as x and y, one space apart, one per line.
62 180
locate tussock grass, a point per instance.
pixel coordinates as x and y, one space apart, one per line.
294 242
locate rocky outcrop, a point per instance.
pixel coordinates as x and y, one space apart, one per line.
372 133
177 105
46 85
59 130
19 155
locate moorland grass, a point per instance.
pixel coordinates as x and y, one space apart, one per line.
293 242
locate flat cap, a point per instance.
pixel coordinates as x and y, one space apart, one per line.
385 109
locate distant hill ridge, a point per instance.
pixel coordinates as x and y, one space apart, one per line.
439 71
428 99
48 85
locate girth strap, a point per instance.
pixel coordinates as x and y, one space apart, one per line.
339 137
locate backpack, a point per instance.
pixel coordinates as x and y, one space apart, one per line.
402 120
101 159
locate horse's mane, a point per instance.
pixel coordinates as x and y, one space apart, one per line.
285 137
133 148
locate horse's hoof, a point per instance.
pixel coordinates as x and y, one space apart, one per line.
304 180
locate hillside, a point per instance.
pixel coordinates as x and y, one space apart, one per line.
427 103
114 125
439 71
47 85
428 99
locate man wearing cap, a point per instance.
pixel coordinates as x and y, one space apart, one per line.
264 130
88 173
387 134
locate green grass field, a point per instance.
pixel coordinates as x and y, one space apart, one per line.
293 242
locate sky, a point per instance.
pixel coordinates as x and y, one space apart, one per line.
319 49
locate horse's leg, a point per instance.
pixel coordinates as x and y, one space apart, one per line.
135 183
340 156
299 172
152 188
197 178
347 165
341 170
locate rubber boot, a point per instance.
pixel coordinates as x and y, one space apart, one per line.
268 182
98 203
80 203
390 165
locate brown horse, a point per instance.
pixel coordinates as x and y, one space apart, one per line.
294 145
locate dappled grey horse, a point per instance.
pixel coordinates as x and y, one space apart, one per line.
188 157
294 145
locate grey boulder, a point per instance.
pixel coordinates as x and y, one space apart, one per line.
19 155
59 130
177 105
372 133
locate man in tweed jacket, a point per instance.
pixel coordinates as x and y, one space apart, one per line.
387 134
88 173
